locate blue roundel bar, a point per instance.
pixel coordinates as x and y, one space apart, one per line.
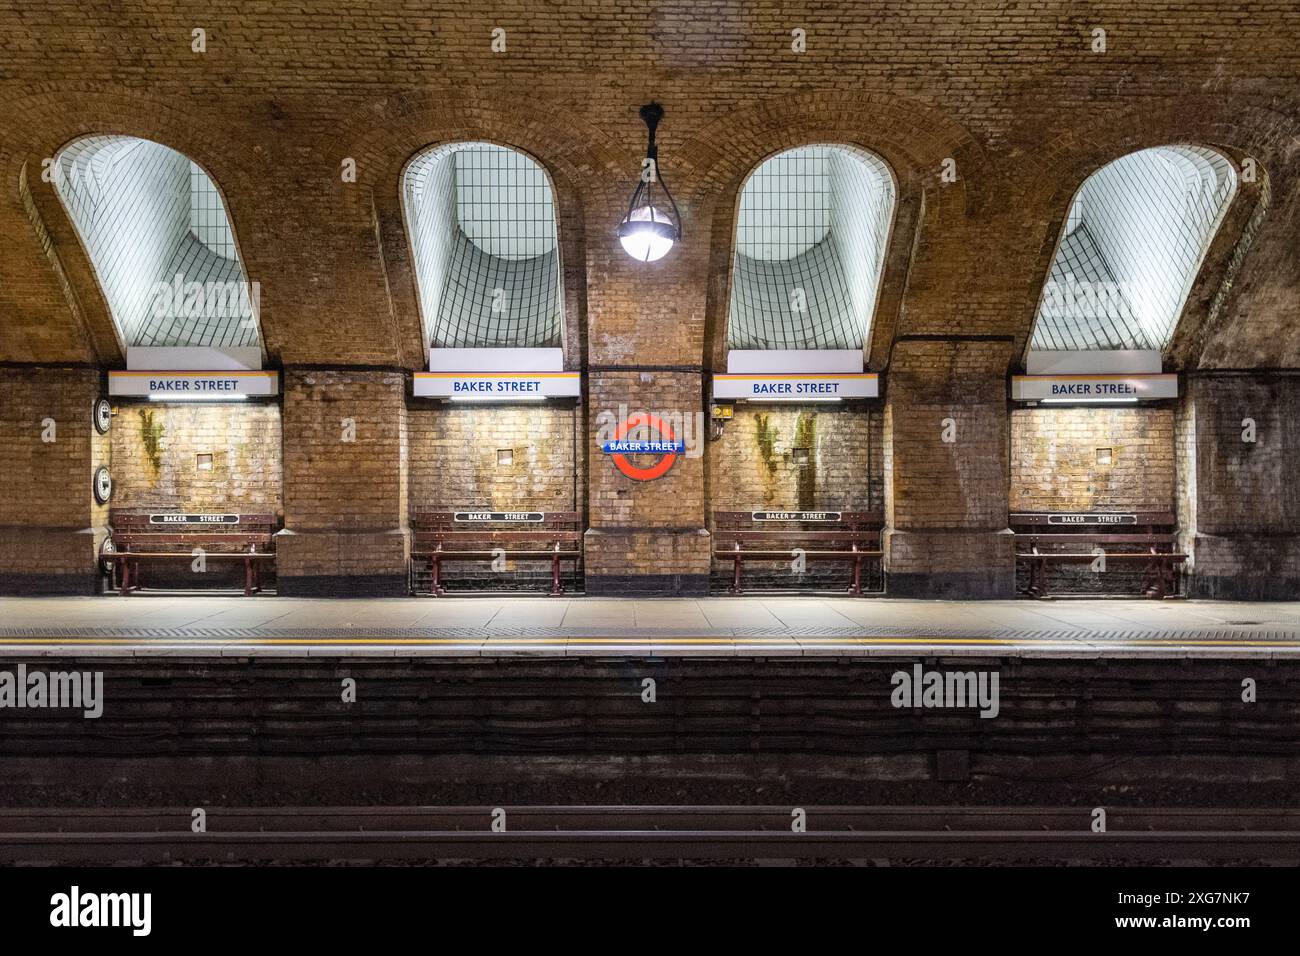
631 447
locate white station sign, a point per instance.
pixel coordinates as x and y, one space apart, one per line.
1092 388
795 387
192 385
497 386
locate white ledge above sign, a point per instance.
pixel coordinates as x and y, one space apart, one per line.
795 387
1093 389
162 385
497 386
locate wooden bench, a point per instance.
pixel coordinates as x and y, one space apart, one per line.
848 537
142 537
441 537
1144 539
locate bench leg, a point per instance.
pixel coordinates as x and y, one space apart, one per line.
1042 577
248 577
1157 575
435 574
856 587
556 590
735 574
126 576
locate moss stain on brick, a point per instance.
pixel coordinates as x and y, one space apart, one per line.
805 436
151 433
765 437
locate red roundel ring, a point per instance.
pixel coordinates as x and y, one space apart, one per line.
665 433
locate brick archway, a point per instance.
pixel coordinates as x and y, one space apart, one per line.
581 167
1221 323
912 139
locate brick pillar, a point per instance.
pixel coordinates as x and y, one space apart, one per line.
646 537
946 501
1239 500
345 483
50 526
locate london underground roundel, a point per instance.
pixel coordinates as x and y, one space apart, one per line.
102 415
663 443
103 485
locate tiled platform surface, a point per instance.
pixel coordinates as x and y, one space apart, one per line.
190 625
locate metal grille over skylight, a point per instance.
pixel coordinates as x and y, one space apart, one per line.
487 261
810 248
1134 240
157 233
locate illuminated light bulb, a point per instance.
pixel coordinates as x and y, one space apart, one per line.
646 234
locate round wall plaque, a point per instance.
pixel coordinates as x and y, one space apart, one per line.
103 485
102 415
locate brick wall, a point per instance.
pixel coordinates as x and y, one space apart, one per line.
497 458
797 458
645 535
1241 506
345 487
946 500
49 524
1092 459
197 458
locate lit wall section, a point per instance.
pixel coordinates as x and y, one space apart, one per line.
810 247
1134 240
156 230
481 220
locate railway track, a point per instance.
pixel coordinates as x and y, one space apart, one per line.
903 834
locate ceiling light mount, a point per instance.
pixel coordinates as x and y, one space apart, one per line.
652 224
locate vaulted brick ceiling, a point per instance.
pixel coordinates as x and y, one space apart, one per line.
1013 94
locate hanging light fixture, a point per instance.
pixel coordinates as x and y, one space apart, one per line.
652 223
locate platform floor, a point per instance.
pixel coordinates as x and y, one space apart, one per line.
717 626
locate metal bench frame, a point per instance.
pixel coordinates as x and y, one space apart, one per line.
434 531
134 539
859 530
1160 557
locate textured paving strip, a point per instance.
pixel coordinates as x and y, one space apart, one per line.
640 642
756 626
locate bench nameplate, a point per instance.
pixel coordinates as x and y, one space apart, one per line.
193 519
472 516
795 516
1091 518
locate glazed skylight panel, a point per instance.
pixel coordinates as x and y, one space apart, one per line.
157 234
811 232
484 236
1136 236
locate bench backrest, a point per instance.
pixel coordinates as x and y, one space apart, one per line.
1093 522
137 528
1095 527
